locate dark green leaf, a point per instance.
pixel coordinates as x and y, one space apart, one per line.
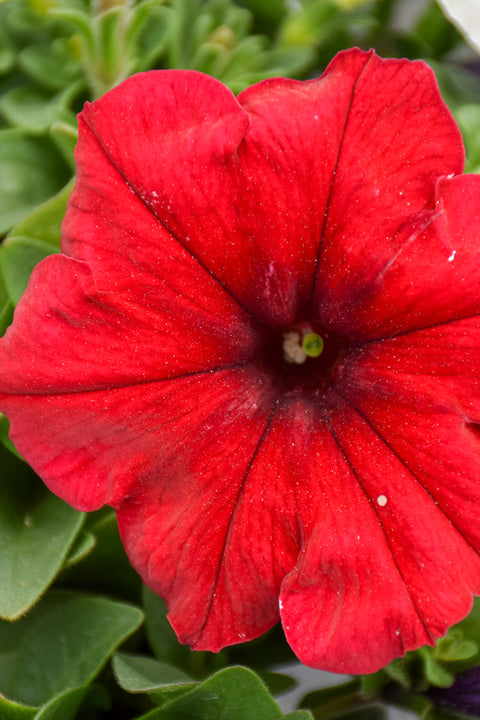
63 707
166 646
372 712
106 569
14 711
231 693
277 683
137 674
61 644
84 544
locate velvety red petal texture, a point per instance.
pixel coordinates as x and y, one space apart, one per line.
370 562
442 247
155 365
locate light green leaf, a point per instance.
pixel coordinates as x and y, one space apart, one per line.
37 530
138 674
51 65
31 240
61 644
18 257
44 222
31 170
27 108
299 715
235 692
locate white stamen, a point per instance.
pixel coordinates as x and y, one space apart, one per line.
292 349
382 500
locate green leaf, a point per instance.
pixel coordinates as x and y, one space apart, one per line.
18 257
299 715
4 438
468 118
106 569
44 223
435 673
31 241
37 530
6 311
372 712
14 711
61 644
138 674
64 706
235 692
82 547
277 683
51 65
26 108
31 170
65 138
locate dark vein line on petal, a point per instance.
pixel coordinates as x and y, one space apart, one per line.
332 183
139 383
357 477
405 465
404 333
261 440
168 230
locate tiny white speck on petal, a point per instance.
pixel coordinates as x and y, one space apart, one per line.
451 257
280 604
382 500
154 194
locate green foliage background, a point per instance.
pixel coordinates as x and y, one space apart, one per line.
79 635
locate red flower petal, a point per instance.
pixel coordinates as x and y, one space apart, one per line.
368 562
200 228
92 329
440 250
115 443
398 138
207 545
270 170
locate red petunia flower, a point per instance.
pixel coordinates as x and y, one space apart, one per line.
261 346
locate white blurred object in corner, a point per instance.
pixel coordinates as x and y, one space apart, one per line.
465 15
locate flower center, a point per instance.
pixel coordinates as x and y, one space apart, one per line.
300 358
296 348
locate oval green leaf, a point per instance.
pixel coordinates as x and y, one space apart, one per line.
37 530
31 170
61 645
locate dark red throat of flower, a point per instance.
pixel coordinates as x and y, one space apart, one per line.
300 358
